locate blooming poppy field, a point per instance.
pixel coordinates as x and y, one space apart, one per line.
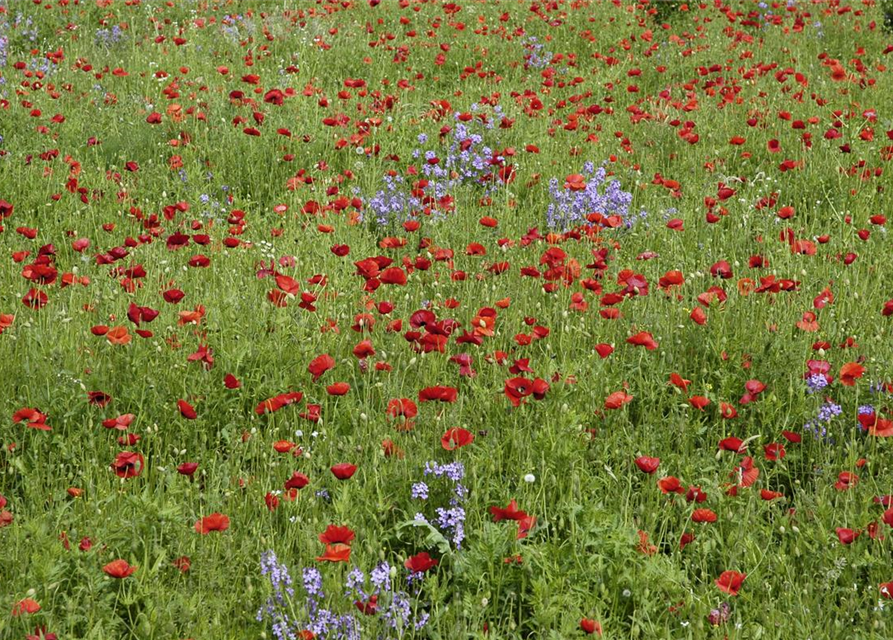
422 319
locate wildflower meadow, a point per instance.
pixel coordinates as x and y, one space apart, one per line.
372 319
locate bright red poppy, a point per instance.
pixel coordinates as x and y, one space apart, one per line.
455 438
119 569
730 582
213 522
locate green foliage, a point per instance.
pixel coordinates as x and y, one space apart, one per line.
565 459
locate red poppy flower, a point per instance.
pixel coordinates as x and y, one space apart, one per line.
703 515
183 563
128 464
847 536
647 464
678 381
283 446
670 484
685 540
297 481
34 418
213 522
525 524
277 402
6 320
850 372
98 398
438 393
604 350
617 400
590 627
644 546
120 423
338 389
420 563
119 569
337 535
35 299
730 582
455 438
774 451
320 365
846 480
25 606
516 389
733 444
343 470
746 473
511 512
186 410
231 382
187 468
403 407
335 553
643 339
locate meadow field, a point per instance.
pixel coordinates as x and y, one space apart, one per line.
505 319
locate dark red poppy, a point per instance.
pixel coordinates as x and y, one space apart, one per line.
98 398
420 563
647 464
438 393
186 410
187 468
343 470
297 481
128 464
231 382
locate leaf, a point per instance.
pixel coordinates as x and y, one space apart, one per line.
434 538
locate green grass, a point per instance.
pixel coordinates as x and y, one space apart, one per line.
582 558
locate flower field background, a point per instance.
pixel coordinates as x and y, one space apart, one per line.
406 319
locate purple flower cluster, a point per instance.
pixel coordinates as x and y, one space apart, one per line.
109 37
449 520
395 606
275 609
4 42
826 414
601 195
536 58
816 382
720 615
468 161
